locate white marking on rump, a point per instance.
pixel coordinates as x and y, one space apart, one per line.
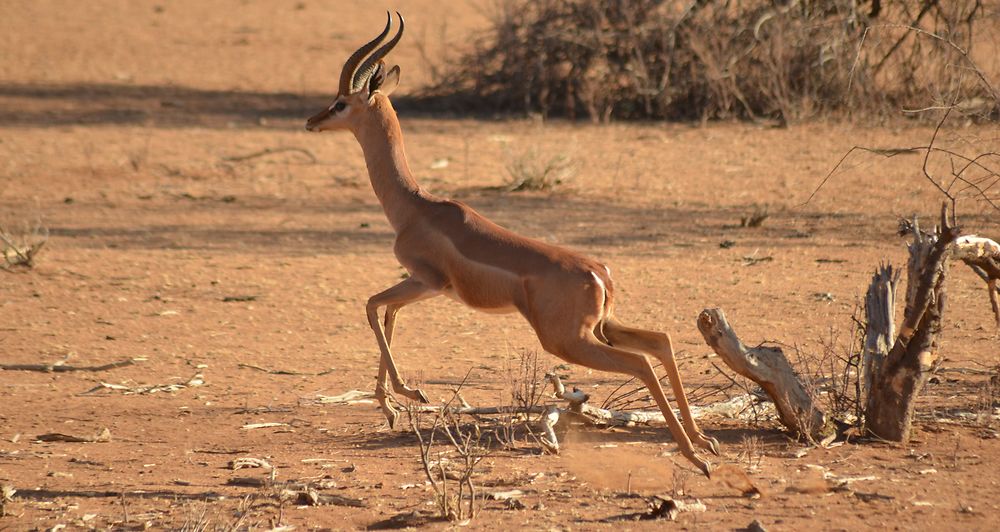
604 289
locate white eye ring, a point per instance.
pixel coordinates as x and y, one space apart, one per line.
338 107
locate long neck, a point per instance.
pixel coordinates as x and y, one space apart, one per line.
381 140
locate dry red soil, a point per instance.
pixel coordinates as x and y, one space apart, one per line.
133 131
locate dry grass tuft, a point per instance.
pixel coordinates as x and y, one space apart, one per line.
18 250
531 171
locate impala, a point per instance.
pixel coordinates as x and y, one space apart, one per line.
449 249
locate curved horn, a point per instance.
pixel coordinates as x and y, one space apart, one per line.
366 70
347 74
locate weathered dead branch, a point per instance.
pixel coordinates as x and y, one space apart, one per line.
768 367
983 256
102 436
980 254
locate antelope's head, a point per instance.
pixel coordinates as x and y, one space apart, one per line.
360 82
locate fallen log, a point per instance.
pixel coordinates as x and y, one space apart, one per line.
769 368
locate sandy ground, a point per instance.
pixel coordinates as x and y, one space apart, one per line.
133 131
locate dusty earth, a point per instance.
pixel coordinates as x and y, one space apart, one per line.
196 229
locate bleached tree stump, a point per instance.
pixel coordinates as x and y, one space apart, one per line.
904 370
894 365
880 328
768 367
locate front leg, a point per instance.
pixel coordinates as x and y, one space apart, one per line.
404 293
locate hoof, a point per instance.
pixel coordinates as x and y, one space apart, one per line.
423 396
713 445
705 442
391 418
706 468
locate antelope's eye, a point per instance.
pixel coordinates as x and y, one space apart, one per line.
339 106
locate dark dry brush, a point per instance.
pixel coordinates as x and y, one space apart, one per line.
705 59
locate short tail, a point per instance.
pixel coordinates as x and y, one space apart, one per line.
603 275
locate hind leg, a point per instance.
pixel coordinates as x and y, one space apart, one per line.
590 352
659 345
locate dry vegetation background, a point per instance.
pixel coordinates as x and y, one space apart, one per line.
193 226
747 59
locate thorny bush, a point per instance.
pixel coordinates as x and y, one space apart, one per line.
778 60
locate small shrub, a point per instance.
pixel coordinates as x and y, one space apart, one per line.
451 469
756 218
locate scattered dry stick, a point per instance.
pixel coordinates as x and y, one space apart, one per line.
601 416
577 405
59 367
551 415
269 151
285 371
144 389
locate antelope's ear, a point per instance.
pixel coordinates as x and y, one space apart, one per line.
384 81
